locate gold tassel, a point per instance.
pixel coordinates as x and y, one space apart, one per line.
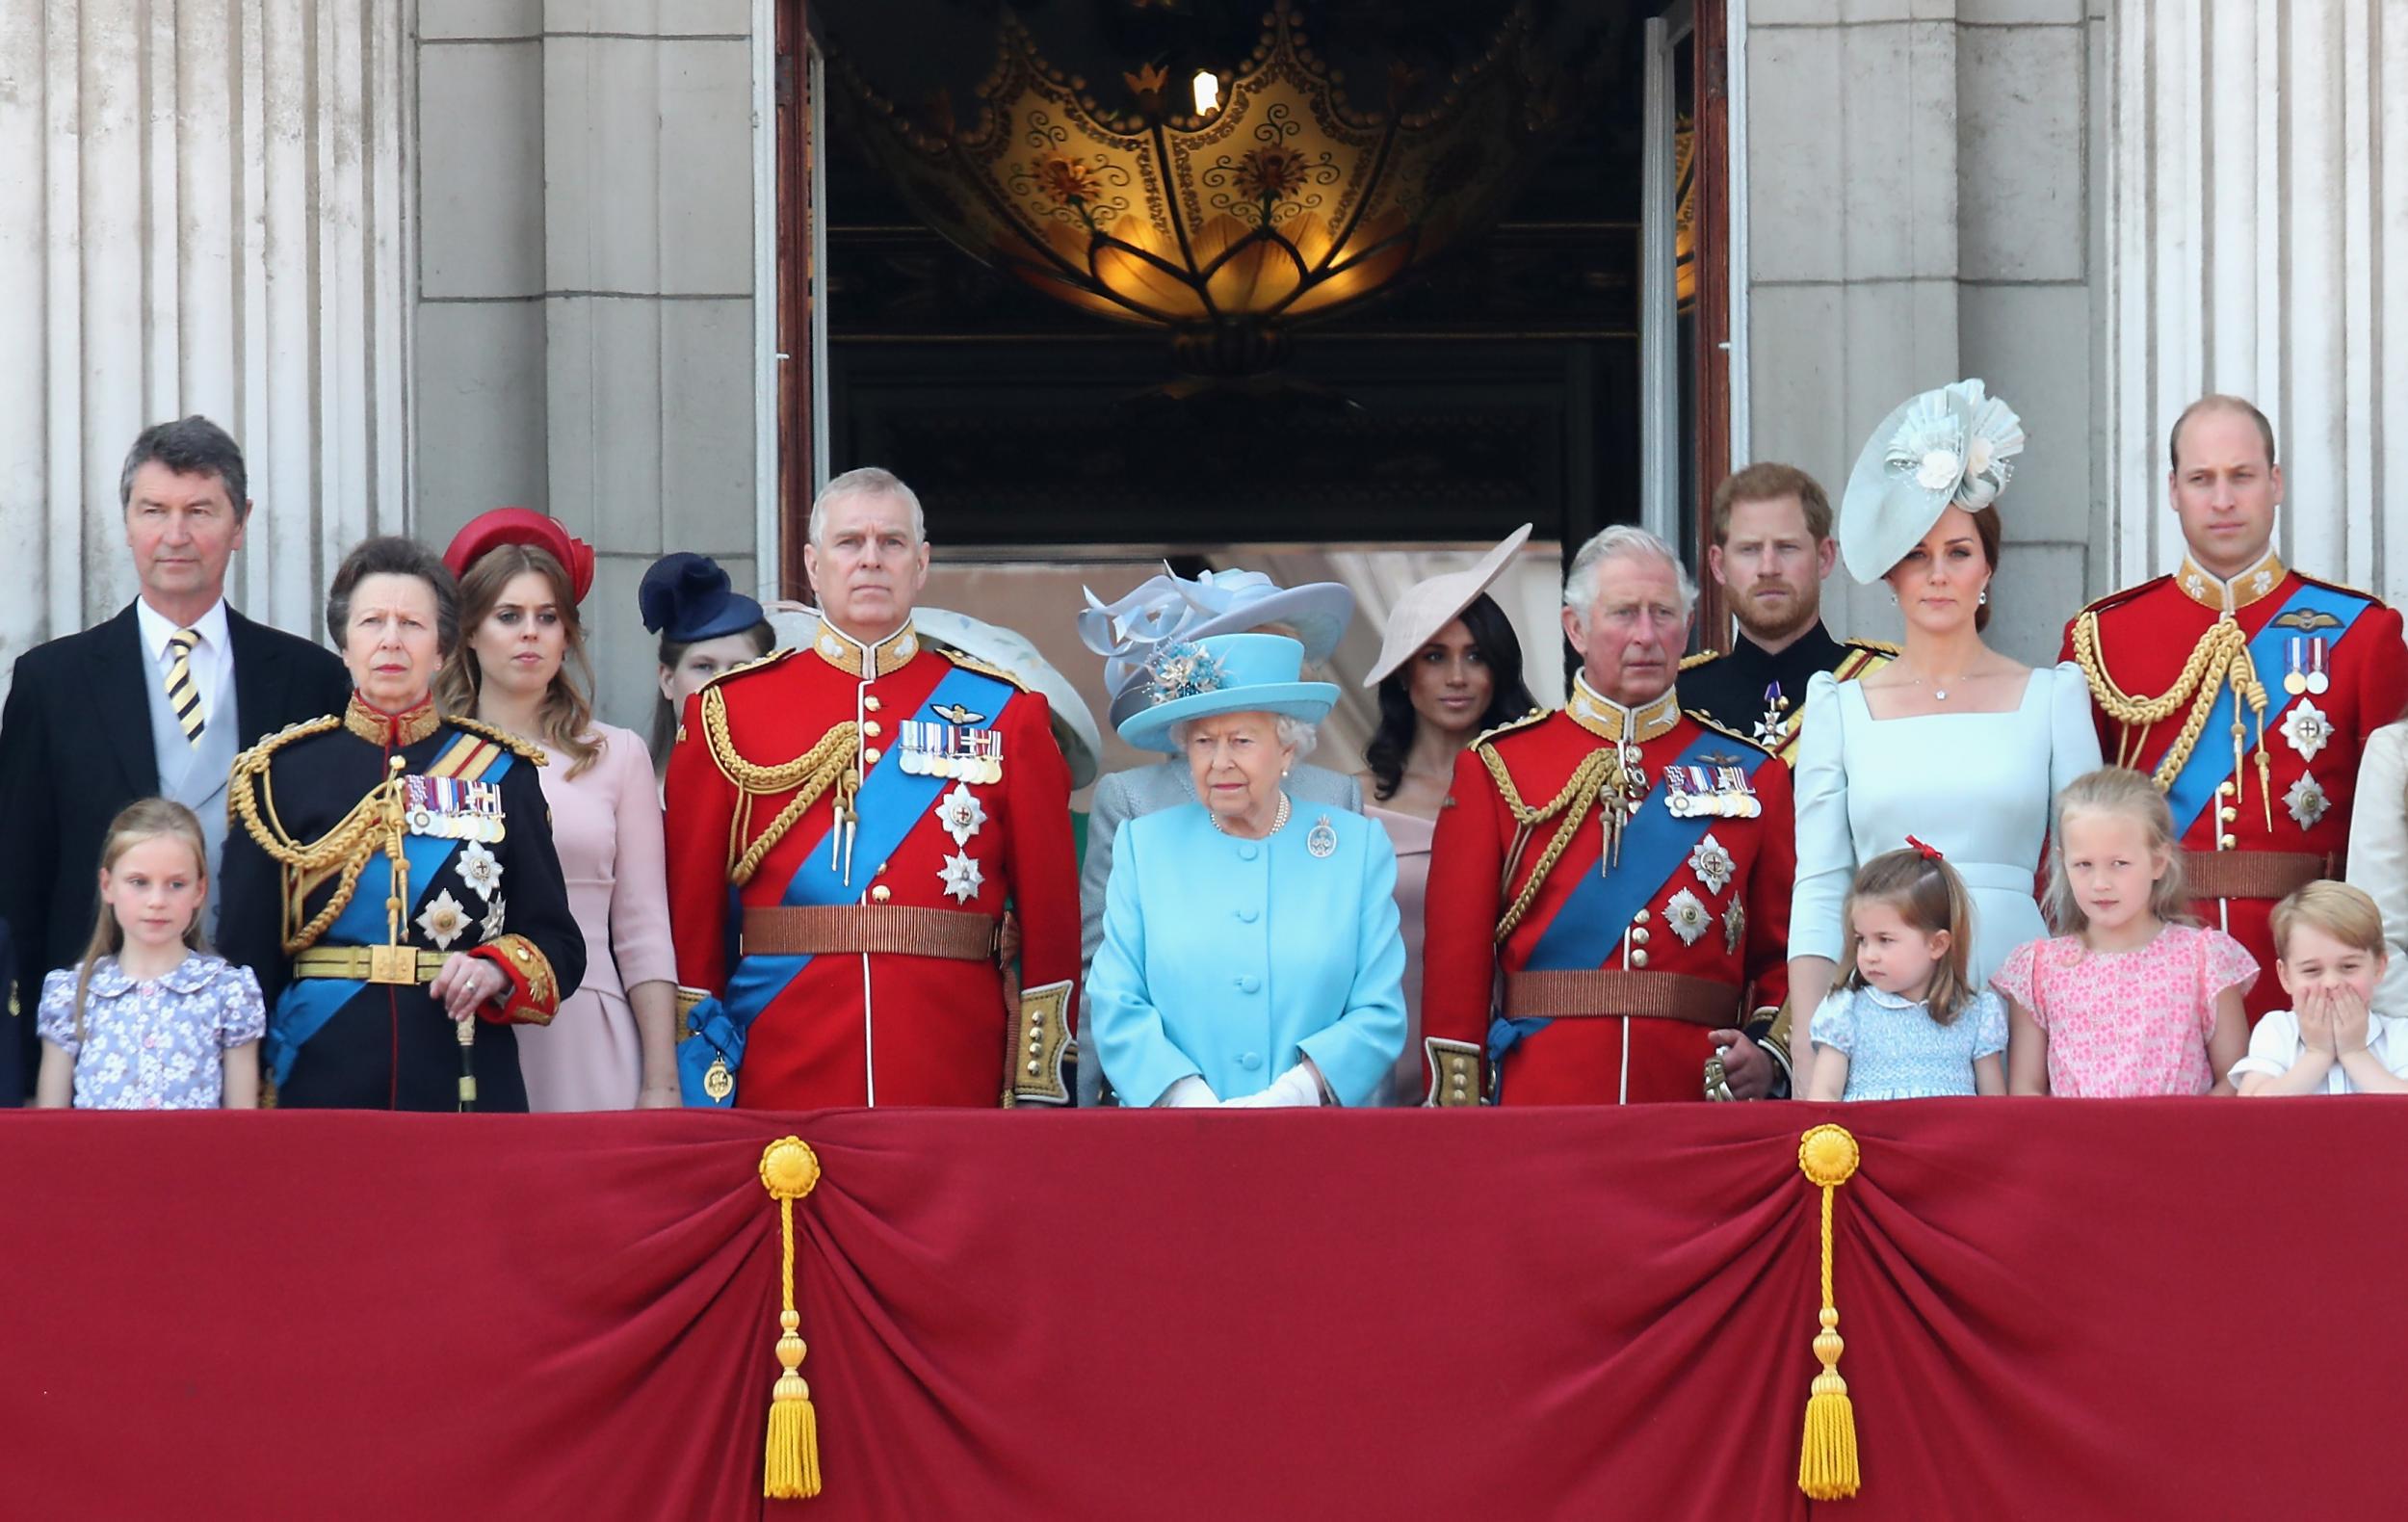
1826 1462
789 1468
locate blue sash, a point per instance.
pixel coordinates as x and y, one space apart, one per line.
2194 787
307 1004
1589 925
891 803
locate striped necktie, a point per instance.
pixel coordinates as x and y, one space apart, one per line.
183 695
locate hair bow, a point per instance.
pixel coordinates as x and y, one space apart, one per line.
1928 852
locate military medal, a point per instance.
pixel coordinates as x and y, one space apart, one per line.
2307 729
1734 927
1687 914
1711 863
718 1082
2306 802
2296 678
1768 731
962 813
2319 681
1322 842
962 877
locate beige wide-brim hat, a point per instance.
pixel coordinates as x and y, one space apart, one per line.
1430 606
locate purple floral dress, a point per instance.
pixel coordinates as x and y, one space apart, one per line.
154 1045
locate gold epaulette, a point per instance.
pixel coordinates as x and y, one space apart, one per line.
969 662
517 745
1708 721
256 757
2340 587
1534 716
2125 594
1690 663
753 664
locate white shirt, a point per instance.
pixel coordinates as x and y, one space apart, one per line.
212 658
2378 850
2275 1045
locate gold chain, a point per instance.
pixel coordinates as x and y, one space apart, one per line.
346 846
1598 772
807 775
2220 658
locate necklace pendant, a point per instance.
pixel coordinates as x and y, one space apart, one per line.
1940 693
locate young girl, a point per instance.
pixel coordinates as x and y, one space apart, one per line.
2133 997
2330 954
148 1019
1904 1024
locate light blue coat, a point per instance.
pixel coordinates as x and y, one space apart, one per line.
1231 959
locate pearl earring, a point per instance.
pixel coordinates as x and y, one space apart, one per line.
1894 596
1986 597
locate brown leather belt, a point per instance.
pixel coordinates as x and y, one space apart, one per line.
1656 995
812 932
2251 874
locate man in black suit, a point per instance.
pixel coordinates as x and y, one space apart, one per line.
156 701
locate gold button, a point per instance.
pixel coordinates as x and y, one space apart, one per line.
1031 1069
870 756
868 726
2224 842
1638 959
522 954
1640 918
880 893
2224 788
869 701
2227 815
1639 937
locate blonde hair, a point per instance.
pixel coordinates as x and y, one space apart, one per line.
567 717
144 818
1930 896
2344 912
2117 790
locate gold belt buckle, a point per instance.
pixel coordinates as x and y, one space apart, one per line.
396 964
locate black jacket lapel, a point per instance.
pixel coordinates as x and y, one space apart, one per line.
119 669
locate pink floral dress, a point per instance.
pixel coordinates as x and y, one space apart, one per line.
2131 1022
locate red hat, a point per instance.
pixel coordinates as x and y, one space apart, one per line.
502 526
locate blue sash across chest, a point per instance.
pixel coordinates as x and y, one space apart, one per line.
1589 925
307 1004
891 802
2193 788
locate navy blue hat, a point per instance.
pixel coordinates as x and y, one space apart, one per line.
688 598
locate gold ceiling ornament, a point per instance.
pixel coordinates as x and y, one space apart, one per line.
1284 202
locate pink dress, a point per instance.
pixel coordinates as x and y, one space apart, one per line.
2131 1022
606 823
1410 834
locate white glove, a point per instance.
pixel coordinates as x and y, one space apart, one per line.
1187 1094
1294 1088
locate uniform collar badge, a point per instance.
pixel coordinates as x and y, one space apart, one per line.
2210 591
392 731
1608 720
854 658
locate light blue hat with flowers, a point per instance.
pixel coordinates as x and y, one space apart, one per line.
1944 448
1226 673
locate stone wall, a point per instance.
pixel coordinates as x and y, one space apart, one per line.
585 303
1924 204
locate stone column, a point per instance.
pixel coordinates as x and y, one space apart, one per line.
2258 180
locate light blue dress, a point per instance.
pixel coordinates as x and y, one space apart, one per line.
1895 1050
1231 959
1979 788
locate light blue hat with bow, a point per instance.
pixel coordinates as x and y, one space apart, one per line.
1225 673
1951 447
1170 609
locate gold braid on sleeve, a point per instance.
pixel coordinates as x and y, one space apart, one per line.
376 820
1597 773
807 776
2220 658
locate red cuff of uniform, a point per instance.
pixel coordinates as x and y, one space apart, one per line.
534 995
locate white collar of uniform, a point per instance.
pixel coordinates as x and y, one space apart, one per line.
1608 720
156 629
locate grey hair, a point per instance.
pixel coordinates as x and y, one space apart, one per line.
869 481
391 554
1620 542
1293 733
188 446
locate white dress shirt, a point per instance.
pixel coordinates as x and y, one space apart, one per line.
212 658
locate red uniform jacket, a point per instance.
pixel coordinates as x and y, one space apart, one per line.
2139 640
877 1027
1719 914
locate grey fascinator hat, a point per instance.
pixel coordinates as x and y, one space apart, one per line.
1951 447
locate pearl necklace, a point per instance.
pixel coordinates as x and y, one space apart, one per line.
1278 821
